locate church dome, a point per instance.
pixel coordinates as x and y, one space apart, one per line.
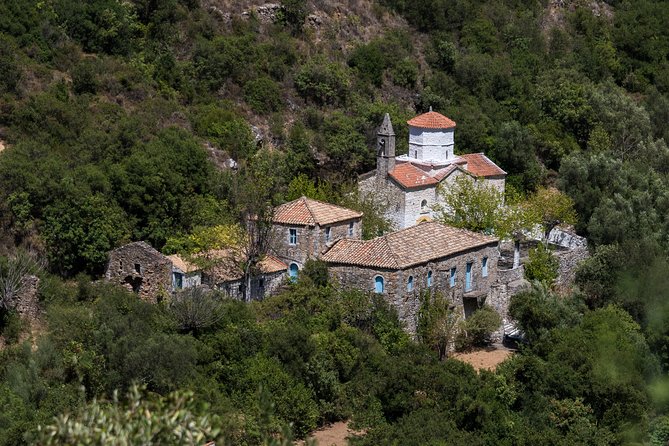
431 120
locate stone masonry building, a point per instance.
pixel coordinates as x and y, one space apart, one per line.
430 256
305 228
406 186
140 268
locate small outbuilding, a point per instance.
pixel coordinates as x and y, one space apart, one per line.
142 269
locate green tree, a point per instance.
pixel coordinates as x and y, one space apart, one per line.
478 328
294 12
323 82
143 419
542 265
439 323
80 232
550 208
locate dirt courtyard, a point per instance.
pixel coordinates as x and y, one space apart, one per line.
488 358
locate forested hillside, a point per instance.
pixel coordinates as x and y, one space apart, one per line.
157 119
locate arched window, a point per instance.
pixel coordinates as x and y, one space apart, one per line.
429 279
410 284
293 270
378 284
423 206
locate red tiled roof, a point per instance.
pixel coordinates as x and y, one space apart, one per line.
225 264
271 264
481 166
308 212
411 246
431 120
409 176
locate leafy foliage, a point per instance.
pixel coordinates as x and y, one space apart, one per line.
542 265
174 419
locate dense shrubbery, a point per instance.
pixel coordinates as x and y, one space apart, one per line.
107 105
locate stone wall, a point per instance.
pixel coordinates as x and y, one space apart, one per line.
413 211
141 269
568 262
407 302
566 239
311 240
262 286
300 251
387 194
27 300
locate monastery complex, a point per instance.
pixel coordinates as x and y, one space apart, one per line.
420 255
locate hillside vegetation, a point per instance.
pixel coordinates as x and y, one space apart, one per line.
119 121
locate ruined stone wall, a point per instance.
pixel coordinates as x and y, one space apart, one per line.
509 282
407 302
568 262
26 303
140 268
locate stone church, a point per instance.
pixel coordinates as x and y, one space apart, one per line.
406 186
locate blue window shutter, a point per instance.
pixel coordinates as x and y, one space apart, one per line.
378 284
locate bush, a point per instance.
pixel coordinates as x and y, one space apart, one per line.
11 326
263 95
405 73
478 328
323 82
144 419
542 265
195 309
316 271
293 14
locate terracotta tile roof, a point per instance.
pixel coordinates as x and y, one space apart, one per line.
431 120
411 246
481 166
408 175
443 173
308 212
271 264
225 265
182 264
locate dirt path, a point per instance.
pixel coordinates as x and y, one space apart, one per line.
333 435
488 358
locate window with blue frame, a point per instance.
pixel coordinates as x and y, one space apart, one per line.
452 277
328 234
429 279
484 267
468 277
350 229
378 284
292 236
410 284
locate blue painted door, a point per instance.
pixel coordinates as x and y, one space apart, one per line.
378 284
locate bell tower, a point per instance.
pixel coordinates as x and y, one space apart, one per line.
385 148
